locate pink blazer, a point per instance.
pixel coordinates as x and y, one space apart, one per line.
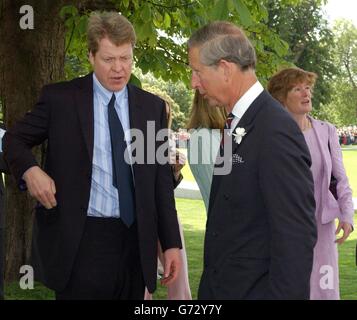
332 163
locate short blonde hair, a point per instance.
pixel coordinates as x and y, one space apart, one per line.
205 116
111 25
283 81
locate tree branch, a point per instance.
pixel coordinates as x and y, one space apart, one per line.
70 38
184 5
173 56
347 66
93 5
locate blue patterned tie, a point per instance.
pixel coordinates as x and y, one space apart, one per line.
122 174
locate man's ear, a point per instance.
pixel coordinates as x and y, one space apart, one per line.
226 68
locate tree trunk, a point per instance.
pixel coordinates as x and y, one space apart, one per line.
28 60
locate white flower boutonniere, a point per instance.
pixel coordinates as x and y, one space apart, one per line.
238 134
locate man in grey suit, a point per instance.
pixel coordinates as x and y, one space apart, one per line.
260 230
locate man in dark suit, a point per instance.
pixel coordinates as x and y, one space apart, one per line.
99 214
260 231
3 169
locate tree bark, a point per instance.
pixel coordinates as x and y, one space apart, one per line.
28 60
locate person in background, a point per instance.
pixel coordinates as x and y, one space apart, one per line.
180 289
293 88
205 125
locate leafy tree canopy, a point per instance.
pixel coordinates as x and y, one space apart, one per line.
178 118
163 26
311 41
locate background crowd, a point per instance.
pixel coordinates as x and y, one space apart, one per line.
347 135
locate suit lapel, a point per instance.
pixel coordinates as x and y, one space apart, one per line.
247 122
321 133
84 103
135 118
85 108
134 108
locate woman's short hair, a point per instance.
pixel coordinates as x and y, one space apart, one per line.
223 40
111 25
284 80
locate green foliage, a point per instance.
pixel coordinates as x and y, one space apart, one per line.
342 110
178 91
310 40
178 118
163 27
135 80
346 50
183 96
243 12
77 63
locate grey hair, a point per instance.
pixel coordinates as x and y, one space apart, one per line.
223 40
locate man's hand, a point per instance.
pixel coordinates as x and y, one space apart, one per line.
347 229
172 265
41 186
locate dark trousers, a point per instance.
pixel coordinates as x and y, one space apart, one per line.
107 265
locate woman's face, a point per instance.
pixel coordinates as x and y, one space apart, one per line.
298 99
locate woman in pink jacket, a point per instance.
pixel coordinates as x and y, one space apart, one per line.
292 87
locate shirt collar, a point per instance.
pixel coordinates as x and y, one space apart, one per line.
105 93
247 99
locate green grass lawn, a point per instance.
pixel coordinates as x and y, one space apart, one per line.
350 162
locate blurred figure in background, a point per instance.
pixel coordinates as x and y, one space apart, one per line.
293 87
205 125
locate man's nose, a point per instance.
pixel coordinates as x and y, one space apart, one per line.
117 66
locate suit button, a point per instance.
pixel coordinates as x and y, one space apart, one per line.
215 234
226 196
215 271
